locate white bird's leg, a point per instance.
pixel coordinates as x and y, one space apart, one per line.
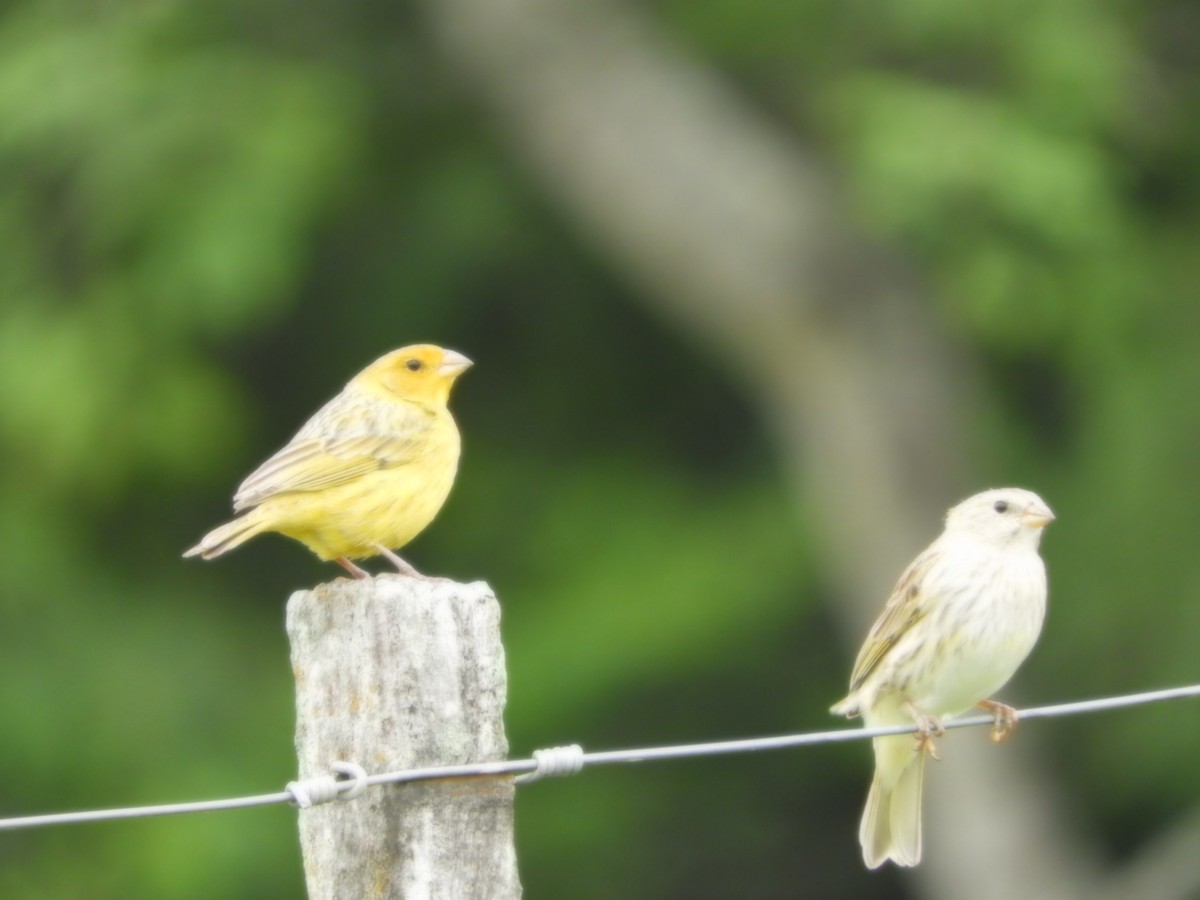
928 727
1004 719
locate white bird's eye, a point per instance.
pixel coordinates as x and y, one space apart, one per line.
1000 506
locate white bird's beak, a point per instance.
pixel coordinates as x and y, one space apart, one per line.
453 363
1037 516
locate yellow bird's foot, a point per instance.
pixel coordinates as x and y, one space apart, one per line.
402 566
1004 719
928 727
355 571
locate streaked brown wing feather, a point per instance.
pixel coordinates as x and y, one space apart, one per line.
311 463
905 607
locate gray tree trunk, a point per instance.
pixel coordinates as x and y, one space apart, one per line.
396 673
734 231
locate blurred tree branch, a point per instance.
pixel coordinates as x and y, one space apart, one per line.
737 235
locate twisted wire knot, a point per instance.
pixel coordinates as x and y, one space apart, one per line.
554 762
309 792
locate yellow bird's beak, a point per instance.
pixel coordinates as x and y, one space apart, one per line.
1037 516
454 363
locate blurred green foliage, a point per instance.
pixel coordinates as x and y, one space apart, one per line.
213 215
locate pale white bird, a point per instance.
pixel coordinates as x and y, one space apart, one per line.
961 619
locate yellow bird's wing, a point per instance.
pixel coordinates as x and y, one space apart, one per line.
342 442
907 605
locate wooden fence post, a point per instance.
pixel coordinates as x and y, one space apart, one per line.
396 673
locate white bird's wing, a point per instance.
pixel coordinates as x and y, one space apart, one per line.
907 605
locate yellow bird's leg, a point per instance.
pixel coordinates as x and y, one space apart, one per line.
350 567
928 727
1004 719
403 567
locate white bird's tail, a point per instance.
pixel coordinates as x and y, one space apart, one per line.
891 822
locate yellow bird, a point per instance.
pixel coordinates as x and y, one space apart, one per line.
366 474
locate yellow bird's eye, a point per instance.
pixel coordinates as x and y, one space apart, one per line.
414 365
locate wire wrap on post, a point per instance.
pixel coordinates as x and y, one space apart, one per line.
354 782
309 792
554 762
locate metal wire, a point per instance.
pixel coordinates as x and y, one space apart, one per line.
560 761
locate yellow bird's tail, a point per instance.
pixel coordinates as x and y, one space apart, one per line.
225 537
